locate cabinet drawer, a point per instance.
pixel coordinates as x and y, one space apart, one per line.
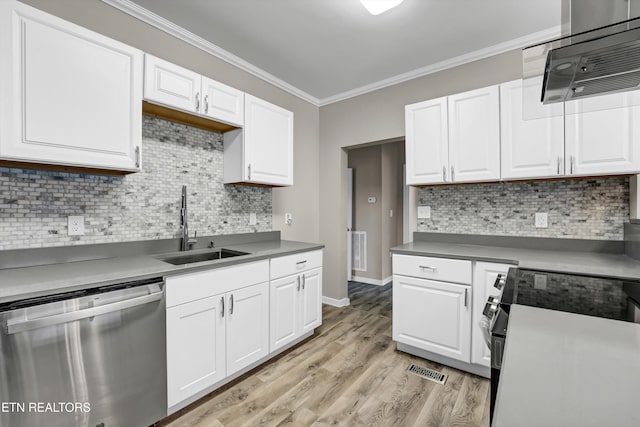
292 264
194 286
443 269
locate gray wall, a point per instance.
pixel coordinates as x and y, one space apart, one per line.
34 205
392 160
577 208
379 116
301 199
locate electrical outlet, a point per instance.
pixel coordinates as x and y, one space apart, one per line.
75 226
541 220
288 218
540 282
252 219
424 212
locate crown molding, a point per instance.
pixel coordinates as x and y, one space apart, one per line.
169 27
519 43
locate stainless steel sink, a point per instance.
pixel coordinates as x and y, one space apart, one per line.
200 257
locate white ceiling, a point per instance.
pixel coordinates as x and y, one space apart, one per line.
331 49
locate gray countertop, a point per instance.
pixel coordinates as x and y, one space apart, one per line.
564 369
588 263
42 280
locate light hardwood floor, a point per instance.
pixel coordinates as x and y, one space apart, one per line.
347 374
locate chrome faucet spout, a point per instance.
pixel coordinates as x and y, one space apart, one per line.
186 242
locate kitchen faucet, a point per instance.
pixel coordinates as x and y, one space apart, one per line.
186 241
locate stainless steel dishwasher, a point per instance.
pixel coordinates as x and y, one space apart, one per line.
88 358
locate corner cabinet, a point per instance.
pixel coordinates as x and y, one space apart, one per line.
262 152
71 97
296 297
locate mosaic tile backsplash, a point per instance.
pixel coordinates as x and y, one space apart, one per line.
577 208
34 205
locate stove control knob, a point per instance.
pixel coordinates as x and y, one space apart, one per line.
500 282
490 309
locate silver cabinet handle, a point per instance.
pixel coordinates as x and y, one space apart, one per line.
28 325
206 104
231 305
426 267
558 165
298 282
249 172
197 101
444 173
138 157
222 301
301 264
304 280
453 174
571 163
466 297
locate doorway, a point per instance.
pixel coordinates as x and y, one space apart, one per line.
375 210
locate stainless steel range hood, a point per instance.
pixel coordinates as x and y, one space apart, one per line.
599 54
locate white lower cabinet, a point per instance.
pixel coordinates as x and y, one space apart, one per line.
296 299
247 326
484 276
195 347
432 316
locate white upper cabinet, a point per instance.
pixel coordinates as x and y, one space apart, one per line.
262 152
171 85
176 87
427 142
603 135
474 135
222 102
532 146
70 96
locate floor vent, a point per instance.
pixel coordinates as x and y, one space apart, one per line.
429 374
359 247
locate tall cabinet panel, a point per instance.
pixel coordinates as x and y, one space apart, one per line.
532 145
474 135
69 96
427 142
603 135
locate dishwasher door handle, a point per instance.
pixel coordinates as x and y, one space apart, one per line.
56 319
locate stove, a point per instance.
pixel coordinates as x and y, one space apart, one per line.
574 293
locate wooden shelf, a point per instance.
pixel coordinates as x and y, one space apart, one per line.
184 118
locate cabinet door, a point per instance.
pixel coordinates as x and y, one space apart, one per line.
603 135
474 135
171 85
484 276
284 311
195 347
268 143
69 96
247 326
222 102
311 303
532 146
433 316
427 143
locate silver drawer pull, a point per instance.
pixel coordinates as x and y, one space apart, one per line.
301 264
426 267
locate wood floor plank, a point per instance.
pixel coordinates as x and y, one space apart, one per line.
348 374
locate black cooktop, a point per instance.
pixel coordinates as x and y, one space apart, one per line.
593 296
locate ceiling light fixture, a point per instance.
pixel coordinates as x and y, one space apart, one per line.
376 7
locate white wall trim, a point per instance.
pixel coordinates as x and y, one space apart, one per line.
336 302
369 281
169 27
177 31
521 42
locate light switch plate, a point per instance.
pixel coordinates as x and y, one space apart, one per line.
541 220
75 225
288 218
424 212
252 219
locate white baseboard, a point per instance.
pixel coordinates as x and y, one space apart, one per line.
336 302
369 281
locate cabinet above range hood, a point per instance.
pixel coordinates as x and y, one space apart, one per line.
599 53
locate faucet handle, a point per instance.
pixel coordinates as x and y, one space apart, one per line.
194 239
